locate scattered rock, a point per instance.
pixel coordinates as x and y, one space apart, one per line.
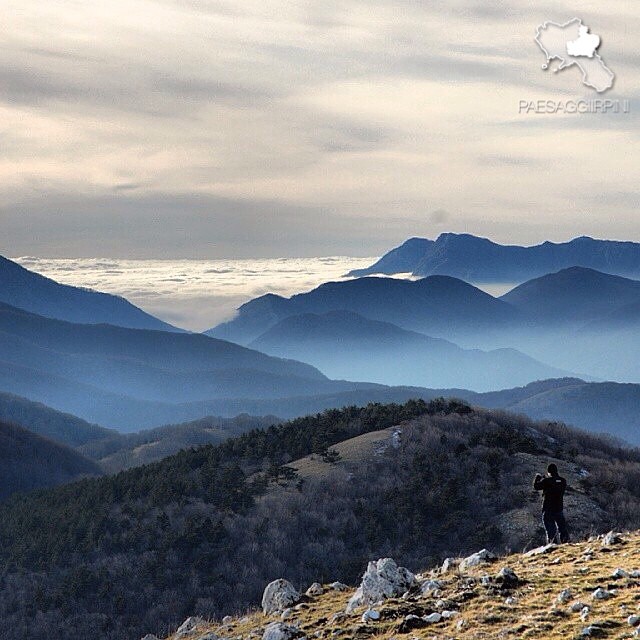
611 538
278 596
635 574
633 620
150 636
592 631
336 618
432 618
577 607
286 614
189 627
449 564
383 579
411 622
601 594
430 586
227 620
483 556
281 631
448 614
507 577
339 586
315 590
564 596
538 551
371 615
619 573
510 601
584 613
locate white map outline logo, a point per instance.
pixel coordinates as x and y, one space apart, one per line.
572 44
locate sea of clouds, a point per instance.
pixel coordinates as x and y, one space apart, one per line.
194 294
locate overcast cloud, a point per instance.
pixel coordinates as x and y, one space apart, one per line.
210 128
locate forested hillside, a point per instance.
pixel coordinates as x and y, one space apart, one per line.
28 461
203 531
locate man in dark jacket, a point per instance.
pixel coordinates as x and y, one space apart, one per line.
553 488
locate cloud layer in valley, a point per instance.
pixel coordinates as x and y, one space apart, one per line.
210 128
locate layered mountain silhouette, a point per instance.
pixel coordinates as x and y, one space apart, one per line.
438 306
480 260
107 374
28 461
33 292
344 344
574 295
63 428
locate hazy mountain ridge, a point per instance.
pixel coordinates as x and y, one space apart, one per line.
439 306
42 296
480 260
206 529
343 344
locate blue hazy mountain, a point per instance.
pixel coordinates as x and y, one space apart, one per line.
477 259
105 374
32 292
574 295
439 306
29 461
344 344
44 421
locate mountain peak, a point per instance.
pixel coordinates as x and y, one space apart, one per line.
477 259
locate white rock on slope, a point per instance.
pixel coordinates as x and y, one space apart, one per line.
278 596
280 631
383 579
483 556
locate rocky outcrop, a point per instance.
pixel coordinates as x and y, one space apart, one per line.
382 580
483 556
278 596
281 631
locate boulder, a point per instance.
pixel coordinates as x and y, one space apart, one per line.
601 594
430 586
507 578
411 622
339 586
278 596
281 631
619 573
432 618
189 627
383 579
577 607
315 590
371 615
449 564
611 538
633 620
564 596
484 556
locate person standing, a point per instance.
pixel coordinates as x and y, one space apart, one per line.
553 487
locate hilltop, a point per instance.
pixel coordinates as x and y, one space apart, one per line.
201 532
547 593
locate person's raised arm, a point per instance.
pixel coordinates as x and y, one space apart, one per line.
537 482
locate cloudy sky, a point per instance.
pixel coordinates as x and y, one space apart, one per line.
219 129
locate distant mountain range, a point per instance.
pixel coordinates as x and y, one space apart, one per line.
438 306
480 260
117 376
28 461
577 320
32 292
346 345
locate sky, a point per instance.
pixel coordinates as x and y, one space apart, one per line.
223 129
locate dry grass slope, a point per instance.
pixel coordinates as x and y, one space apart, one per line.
529 610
